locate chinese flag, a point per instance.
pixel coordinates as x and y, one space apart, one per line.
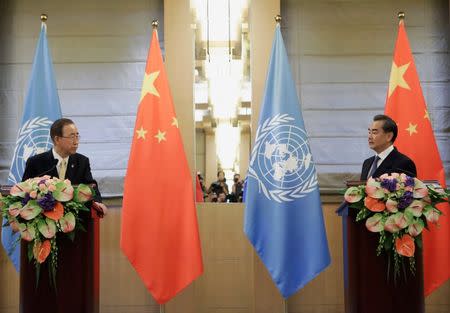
406 105
159 232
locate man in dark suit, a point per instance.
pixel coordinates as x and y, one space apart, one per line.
76 261
369 271
382 134
63 161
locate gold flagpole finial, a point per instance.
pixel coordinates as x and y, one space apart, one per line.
155 24
401 15
278 18
44 17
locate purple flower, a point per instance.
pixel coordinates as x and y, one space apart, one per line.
409 181
47 202
25 199
405 200
389 184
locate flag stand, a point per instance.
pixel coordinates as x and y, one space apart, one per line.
285 306
162 308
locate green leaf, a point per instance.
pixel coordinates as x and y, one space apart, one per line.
71 235
362 214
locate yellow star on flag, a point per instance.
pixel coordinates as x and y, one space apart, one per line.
141 133
174 122
427 115
397 79
412 128
161 136
148 85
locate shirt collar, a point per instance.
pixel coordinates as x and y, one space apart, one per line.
58 157
383 155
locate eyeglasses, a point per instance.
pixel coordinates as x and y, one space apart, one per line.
72 137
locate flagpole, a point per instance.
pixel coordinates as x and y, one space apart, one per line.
285 305
162 307
401 16
44 19
285 302
278 19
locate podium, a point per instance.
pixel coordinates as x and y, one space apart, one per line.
367 287
77 276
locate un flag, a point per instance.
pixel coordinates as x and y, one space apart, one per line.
41 109
283 213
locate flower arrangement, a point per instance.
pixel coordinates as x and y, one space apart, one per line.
41 209
397 207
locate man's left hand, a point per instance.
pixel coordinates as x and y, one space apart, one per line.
100 208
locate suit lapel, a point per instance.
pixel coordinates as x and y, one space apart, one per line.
387 165
70 167
51 161
366 168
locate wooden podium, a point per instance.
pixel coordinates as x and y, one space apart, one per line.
367 288
77 277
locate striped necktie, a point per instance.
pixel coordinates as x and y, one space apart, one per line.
374 166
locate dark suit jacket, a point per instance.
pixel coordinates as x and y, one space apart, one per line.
78 169
395 162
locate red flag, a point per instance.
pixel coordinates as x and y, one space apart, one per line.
406 105
159 232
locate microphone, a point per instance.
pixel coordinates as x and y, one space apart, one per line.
55 162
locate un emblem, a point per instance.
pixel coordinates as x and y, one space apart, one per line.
33 138
281 161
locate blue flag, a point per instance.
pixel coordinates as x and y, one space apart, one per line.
41 109
283 213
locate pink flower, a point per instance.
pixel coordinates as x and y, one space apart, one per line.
47 228
51 188
415 208
405 246
416 228
375 223
30 210
33 194
14 224
84 193
67 223
403 177
373 189
63 192
27 233
14 209
391 205
420 189
401 220
352 194
432 215
42 187
390 225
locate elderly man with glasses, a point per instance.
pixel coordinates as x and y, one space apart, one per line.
63 161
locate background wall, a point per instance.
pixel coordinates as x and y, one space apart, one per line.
99 50
341 55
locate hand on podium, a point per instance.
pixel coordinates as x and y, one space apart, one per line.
100 209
